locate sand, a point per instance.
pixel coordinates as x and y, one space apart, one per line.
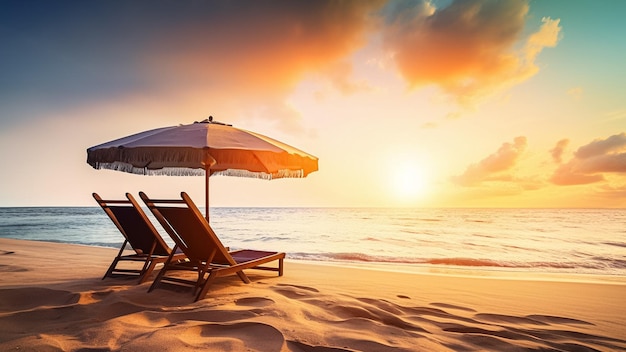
52 298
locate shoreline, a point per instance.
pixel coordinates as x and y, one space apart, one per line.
436 269
52 297
474 272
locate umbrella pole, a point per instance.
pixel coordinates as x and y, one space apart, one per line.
207 173
209 161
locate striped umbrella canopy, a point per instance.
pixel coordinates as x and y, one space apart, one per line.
202 148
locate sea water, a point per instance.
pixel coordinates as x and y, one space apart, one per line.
583 241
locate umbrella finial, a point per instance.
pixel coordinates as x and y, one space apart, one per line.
209 120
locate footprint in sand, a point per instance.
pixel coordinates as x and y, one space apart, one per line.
294 291
452 306
254 302
300 287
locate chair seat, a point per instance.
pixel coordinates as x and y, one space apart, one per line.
206 254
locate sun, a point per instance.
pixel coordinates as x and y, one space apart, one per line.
409 180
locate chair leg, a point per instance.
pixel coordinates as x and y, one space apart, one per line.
146 272
164 270
111 267
199 281
145 266
160 275
148 265
243 277
205 286
116 260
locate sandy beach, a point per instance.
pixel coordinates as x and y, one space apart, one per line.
52 298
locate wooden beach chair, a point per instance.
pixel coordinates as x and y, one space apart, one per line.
148 246
206 254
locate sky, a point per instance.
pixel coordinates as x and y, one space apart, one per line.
406 103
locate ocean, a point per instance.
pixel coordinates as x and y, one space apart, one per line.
581 241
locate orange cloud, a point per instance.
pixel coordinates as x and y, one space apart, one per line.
226 58
239 58
566 175
613 193
250 55
599 147
466 48
494 167
591 161
557 151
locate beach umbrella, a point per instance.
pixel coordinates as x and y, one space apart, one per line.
202 148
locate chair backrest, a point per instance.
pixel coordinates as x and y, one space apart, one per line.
184 222
134 225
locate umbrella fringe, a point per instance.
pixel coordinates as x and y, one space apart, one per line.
181 171
261 175
168 171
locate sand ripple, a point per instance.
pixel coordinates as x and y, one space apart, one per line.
272 317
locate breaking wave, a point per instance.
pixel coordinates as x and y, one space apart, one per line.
604 265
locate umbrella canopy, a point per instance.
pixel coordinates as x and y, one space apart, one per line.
202 148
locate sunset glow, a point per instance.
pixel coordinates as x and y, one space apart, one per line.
490 103
408 180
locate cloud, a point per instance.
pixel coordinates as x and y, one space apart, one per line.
600 147
238 58
605 192
494 167
262 45
340 75
566 175
557 151
235 56
467 48
592 161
